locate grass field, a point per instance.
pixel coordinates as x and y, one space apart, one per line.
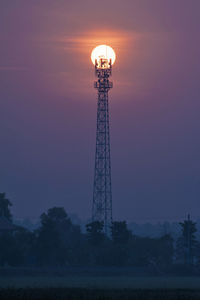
98 282
98 287
97 294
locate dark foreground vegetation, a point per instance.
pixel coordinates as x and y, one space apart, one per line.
92 294
58 243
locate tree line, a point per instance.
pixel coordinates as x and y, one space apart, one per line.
59 242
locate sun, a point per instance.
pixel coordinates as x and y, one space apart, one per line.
103 51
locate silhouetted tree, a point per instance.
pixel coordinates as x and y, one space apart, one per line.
166 249
139 251
52 244
187 243
9 251
120 233
119 250
25 243
153 252
95 234
96 240
5 205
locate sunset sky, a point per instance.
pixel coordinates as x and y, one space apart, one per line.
48 106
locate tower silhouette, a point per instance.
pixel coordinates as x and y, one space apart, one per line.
102 190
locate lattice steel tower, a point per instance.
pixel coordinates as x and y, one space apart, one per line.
102 190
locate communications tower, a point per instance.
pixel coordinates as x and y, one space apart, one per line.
102 189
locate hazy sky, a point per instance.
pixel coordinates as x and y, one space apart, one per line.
48 105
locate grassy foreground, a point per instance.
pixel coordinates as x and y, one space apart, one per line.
101 282
97 287
94 294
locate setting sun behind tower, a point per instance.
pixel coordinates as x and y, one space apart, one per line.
103 52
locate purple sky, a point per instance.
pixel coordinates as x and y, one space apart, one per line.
48 105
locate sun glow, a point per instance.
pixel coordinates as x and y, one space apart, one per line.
103 52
